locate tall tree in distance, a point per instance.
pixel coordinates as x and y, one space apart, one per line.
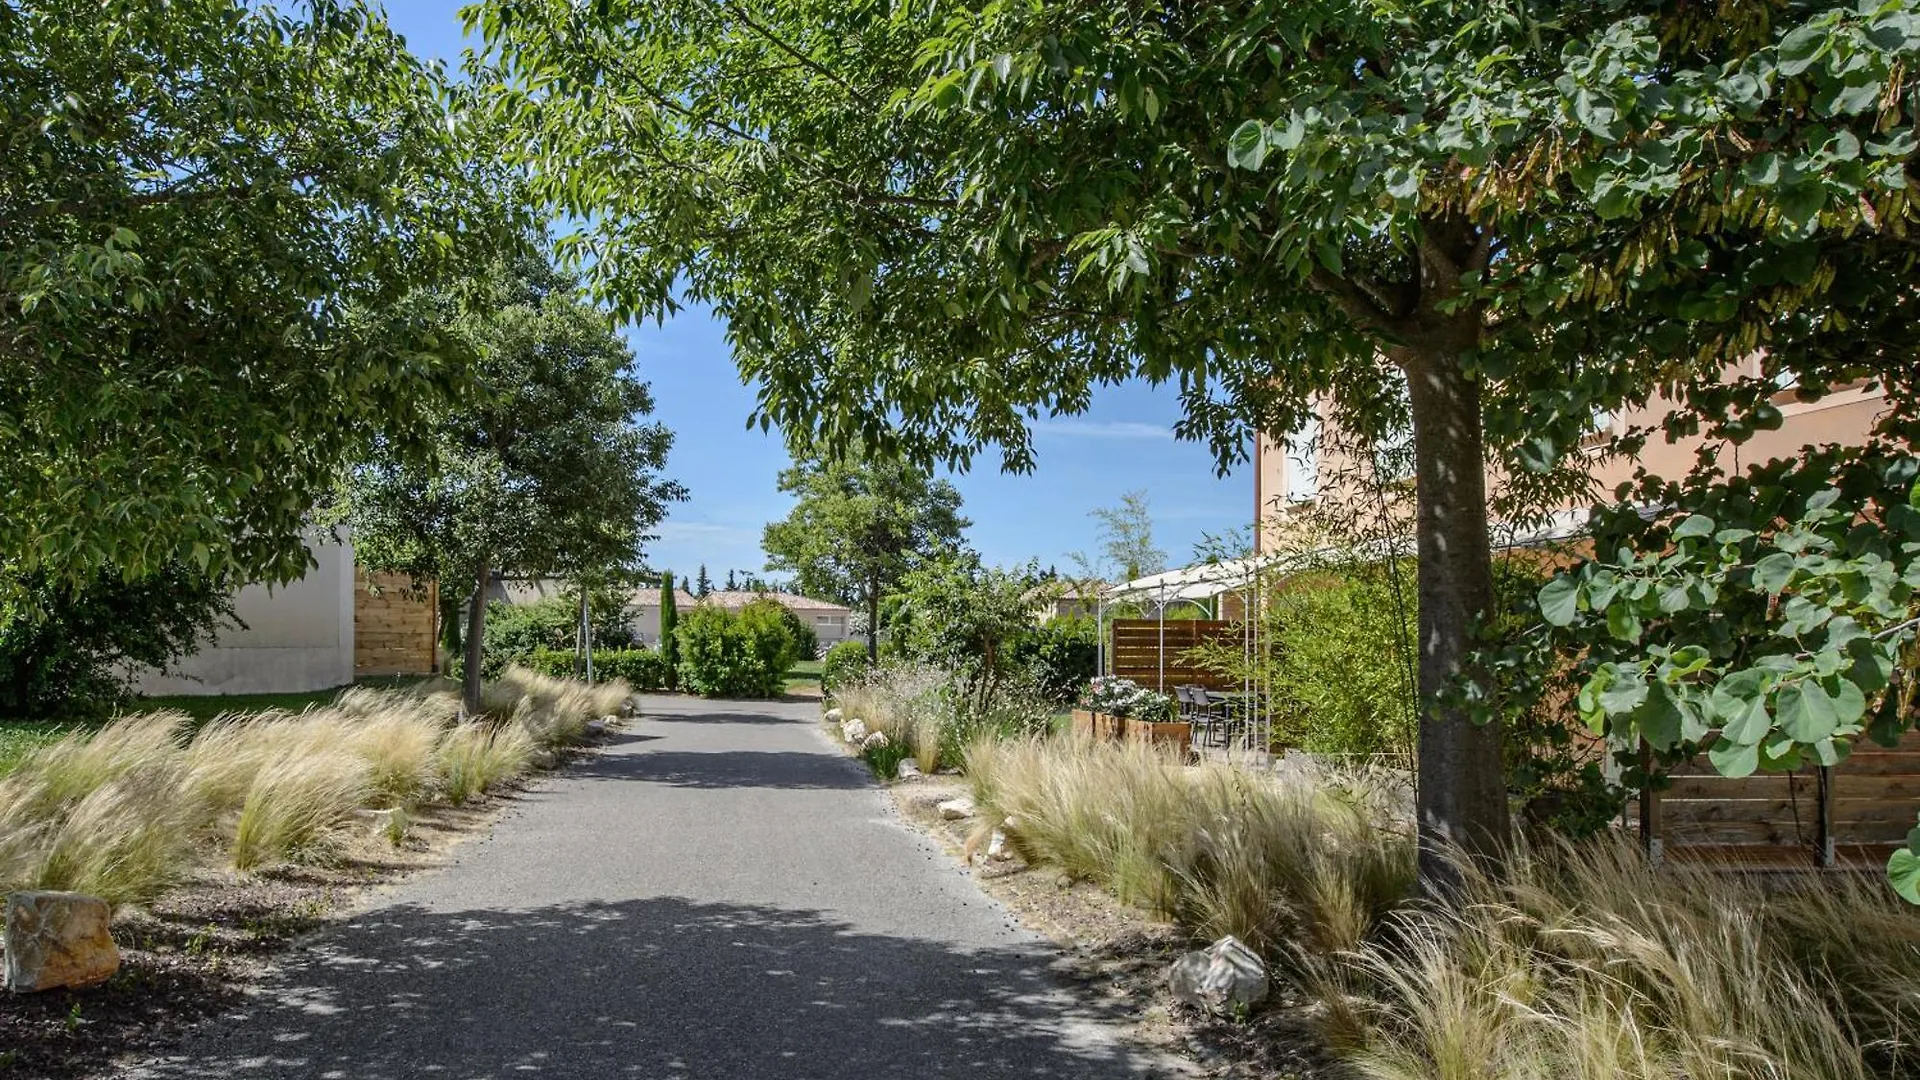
1127 550
859 525
669 625
546 471
702 584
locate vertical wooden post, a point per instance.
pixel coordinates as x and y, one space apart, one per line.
1650 839
1823 851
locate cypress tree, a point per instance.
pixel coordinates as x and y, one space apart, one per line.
669 618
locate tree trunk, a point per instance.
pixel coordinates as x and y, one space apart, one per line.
476 631
1462 800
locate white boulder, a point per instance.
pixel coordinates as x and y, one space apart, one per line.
854 731
997 847
56 939
876 741
956 809
834 715
910 769
1226 977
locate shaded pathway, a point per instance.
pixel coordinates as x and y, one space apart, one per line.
718 895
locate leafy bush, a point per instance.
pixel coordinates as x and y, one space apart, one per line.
641 669
845 661
515 631
1336 666
71 652
744 655
929 714
1060 654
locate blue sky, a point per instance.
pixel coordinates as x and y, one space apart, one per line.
1124 442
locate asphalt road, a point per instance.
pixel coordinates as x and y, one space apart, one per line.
720 894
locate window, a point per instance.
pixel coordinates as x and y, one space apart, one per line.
1300 472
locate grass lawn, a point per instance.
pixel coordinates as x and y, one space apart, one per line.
804 676
19 737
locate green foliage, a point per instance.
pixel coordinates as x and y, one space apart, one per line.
210 212
642 669
1127 550
859 524
1769 612
69 651
965 617
545 473
516 630
669 628
1061 655
845 661
736 655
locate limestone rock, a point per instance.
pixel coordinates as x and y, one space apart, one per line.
997 847
1226 977
56 939
956 809
854 731
597 728
630 707
876 741
910 769
834 715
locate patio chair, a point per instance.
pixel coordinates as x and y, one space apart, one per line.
1211 717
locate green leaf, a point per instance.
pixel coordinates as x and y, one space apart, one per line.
1800 48
1733 759
1806 712
1695 525
1659 718
1247 148
1739 702
1903 873
1773 572
1622 623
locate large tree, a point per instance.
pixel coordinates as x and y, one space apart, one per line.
208 210
859 525
926 224
547 470
1127 550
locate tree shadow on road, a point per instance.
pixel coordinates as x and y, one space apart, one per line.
730 769
651 988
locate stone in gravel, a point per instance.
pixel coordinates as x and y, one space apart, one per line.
600 726
834 715
1226 978
956 809
630 707
910 769
876 741
854 731
997 847
56 939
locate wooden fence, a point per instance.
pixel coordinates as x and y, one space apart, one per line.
1852 813
1154 654
395 631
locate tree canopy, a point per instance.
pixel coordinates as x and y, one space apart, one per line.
546 471
859 525
210 211
928 224
1127 550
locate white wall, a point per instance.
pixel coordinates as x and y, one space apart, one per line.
297 637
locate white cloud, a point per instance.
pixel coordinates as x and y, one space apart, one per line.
1074 428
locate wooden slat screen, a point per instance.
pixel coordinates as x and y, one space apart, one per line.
1137 648
395 631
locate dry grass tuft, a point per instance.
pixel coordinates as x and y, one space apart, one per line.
296 803
553 711
476 758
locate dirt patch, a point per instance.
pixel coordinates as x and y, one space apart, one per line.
192 954
1118 955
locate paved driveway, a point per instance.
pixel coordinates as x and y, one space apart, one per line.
719 895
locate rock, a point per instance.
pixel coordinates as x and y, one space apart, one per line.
854 731
1064 881
956 809
910 769
834 715
597 728
543 759
876 741
997 847
56 939
630 707
1225 978
381 820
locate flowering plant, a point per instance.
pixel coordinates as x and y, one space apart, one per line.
1124 697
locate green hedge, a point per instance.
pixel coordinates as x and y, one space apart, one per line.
643 669
844 661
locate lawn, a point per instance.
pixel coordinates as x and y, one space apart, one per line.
804 677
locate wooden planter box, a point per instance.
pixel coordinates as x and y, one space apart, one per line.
1177 734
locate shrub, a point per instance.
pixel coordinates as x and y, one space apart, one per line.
72 652
844 662
669 629
640 669
516 631
1124 697
1061 655
744 655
